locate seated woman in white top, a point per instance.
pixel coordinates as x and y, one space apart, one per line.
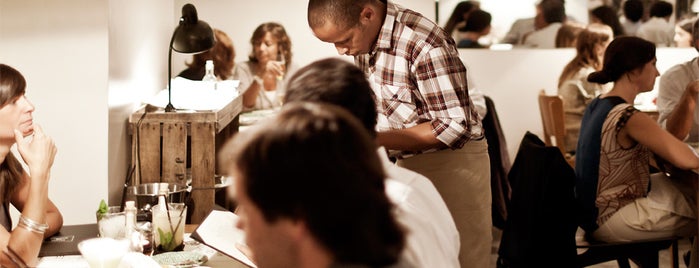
262 76
573 86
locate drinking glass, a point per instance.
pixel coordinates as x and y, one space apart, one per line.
103 252
112 224
168 233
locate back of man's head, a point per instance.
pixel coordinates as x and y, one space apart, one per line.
314 163
342 13
661 9
337 82
553 10
633 10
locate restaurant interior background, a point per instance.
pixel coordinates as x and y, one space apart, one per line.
90 63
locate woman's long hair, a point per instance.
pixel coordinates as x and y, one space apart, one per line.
223 55
12 86
588 40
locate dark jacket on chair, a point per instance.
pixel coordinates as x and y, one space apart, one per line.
541 223
499 164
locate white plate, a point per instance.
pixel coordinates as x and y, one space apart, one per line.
181 259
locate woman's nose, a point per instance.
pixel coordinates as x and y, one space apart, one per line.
28 104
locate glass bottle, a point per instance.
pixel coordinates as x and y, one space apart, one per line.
209 75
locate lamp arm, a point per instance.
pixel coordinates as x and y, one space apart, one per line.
170 107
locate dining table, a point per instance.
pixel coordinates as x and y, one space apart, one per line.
215 258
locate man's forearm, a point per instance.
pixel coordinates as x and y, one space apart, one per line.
680 120
417 138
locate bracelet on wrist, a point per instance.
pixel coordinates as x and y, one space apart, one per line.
32 225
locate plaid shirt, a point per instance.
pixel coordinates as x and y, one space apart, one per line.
417 77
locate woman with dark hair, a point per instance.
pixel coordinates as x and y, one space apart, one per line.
222 54
262 76
459 16
26 191
620 198
573 86
607 15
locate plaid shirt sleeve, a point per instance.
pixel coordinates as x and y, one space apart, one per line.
440 77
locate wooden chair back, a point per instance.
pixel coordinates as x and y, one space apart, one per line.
553 120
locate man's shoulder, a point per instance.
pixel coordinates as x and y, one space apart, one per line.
684 70
419 27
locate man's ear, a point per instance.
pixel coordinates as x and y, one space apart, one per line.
367 15
297 229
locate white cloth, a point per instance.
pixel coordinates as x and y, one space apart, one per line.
432 238
657 30
544 37
673 83
477 96
630 27
518 29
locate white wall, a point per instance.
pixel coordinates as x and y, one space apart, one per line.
139 34
514 78
61 48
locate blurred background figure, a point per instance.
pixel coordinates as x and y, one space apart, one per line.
607 15
477 26
658 28
683 33
458 17
678 92
262 76
573 86
223 55
550 15
632 15
567 35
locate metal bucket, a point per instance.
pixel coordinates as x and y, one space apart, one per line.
146 194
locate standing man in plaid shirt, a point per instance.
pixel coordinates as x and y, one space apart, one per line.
426 118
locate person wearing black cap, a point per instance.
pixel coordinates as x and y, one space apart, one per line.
621 200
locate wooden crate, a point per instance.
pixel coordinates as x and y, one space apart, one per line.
165 145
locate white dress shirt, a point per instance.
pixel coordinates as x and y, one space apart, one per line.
657 30
432 239
544 37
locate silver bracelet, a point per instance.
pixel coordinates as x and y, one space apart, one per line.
32 225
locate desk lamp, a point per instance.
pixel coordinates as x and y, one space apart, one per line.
191 36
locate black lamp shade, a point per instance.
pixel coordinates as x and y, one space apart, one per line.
192 35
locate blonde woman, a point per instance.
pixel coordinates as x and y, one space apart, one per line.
573 86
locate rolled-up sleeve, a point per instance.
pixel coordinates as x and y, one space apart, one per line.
441 80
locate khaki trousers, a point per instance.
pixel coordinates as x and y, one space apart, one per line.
462 177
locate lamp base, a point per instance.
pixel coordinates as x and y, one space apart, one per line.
170 108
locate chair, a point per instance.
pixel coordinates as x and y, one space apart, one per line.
553 120
541 228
